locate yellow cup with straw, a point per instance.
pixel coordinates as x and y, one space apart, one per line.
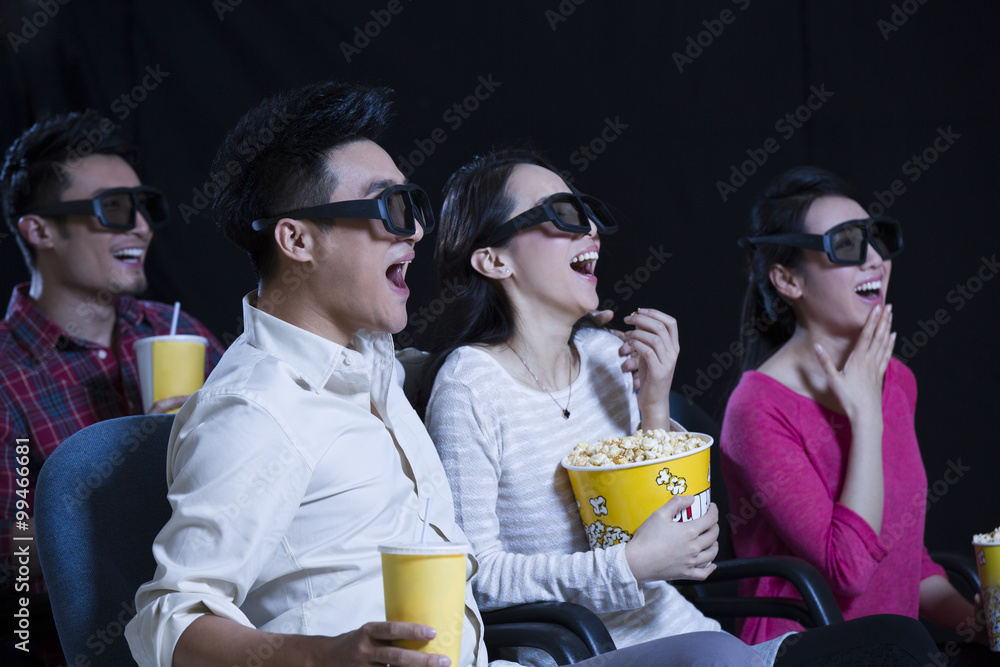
171 365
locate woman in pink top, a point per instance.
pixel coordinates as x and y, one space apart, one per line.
818 442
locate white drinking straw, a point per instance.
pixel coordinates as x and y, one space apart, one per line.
173 321
427 518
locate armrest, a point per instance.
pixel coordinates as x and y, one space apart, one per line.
561 644
960 570
582 622
817 600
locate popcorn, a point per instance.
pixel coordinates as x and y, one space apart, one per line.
643 446
993 537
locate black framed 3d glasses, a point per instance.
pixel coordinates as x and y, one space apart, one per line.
399 207
846 243
568 212
115 208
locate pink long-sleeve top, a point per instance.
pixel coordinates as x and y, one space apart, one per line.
784 457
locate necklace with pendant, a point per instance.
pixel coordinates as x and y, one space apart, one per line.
565 410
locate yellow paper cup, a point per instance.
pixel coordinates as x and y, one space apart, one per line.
615 500
988 562
170 366
425 583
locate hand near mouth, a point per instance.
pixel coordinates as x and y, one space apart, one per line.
858 387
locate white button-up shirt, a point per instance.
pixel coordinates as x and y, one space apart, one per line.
283 483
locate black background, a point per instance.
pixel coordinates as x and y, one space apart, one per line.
562 71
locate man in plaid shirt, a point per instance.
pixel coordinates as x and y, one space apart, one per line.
75 205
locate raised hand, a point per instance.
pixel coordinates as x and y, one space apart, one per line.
655 342
858 389
666 549
858 386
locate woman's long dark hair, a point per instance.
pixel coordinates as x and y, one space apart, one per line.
476 202
768 320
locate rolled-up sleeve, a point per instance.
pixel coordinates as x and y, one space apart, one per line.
235 484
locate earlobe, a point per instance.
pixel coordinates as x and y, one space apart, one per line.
787 282
488 263
36 231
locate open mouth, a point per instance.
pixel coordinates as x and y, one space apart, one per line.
396 274
870 289
128 255
584 263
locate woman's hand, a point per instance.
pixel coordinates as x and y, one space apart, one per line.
858 387
664 549
655 341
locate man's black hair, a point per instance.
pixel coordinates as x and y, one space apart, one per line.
275 159
36 166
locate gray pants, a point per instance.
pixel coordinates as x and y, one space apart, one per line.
694 649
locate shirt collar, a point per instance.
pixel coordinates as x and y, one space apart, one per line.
313 357
39 335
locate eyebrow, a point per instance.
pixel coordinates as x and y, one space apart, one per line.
378 186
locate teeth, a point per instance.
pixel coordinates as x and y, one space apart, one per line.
128 253
870 286
584 257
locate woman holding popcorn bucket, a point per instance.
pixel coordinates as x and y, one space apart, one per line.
823 406
518 375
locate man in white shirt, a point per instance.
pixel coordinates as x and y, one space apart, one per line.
301 455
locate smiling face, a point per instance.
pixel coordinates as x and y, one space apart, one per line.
552 268
84 257
358 281
835 297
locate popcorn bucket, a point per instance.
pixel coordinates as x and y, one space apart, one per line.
988 562
615 500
